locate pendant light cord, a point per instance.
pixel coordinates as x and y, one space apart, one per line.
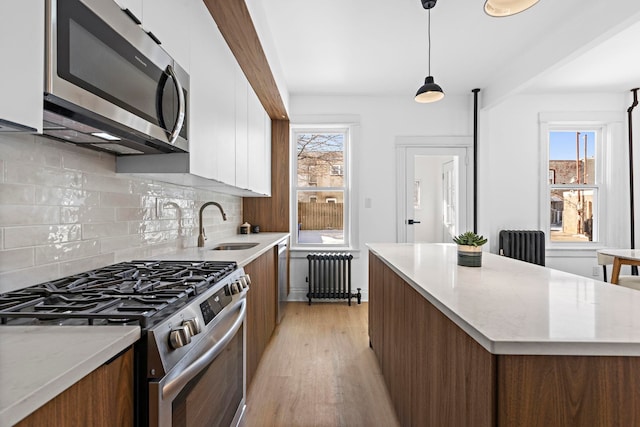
429 37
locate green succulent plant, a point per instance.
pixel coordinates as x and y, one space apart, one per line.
470 239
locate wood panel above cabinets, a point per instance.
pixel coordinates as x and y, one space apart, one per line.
237 28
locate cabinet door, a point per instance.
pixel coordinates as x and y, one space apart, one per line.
22 85
103 398
242 150
170 22
213 126
262 301
258 155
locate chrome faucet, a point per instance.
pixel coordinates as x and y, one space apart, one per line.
201 236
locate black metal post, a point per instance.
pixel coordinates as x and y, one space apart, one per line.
475 159
634 269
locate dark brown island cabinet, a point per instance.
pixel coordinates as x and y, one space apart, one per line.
438 375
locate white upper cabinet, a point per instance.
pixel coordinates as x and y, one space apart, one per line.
227 122
170 22
22 82
259 146
203 151
242 151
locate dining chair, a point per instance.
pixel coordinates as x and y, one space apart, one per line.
627 281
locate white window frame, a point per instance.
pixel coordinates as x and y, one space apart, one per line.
601 124
347 190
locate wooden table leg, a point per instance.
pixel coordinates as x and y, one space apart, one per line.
616 270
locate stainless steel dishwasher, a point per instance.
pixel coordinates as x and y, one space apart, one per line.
282 278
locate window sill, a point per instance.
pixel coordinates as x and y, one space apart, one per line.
574 251
299 252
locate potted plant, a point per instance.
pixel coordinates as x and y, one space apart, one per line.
469 249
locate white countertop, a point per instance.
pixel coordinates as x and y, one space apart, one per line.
39 362
243 257
513 307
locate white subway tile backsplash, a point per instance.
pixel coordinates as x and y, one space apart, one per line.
27 215
64 210
132 214
66 251
113 244
105 229
87 160
104 183
84 264
24 173
89 214
20 237
21 278
17 194
66 197
120 200
11 259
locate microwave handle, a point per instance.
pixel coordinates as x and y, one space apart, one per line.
173 136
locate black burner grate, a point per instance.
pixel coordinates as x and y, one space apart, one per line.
126 292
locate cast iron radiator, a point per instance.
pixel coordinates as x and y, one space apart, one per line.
330 276
525 245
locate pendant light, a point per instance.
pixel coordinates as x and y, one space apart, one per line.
499 8
430 91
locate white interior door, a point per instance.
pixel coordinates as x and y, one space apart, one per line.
432 193
449 201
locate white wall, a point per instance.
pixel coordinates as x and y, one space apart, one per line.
509 169
382 119
509 173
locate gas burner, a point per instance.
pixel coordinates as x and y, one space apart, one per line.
136 291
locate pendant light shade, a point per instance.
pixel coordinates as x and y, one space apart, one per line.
500 8
429 92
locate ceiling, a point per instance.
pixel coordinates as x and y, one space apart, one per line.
379 47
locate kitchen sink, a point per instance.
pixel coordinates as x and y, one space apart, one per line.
233 246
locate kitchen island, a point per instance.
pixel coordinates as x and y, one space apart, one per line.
506 344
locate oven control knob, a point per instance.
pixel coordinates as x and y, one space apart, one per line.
235 286
247 279
193 325
179 337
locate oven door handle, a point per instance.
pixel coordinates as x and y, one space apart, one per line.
176 384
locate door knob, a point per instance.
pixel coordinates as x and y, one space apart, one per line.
410 222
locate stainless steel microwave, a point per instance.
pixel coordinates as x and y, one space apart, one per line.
109 85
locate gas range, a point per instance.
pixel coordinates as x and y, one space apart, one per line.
136 292
191 315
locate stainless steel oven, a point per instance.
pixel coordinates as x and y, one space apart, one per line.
205 384
109 85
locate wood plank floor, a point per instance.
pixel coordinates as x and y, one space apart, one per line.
318 370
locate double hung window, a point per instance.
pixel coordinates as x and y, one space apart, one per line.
321 189
573 185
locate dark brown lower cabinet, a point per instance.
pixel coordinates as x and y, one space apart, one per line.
262 302
437 375
104 398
